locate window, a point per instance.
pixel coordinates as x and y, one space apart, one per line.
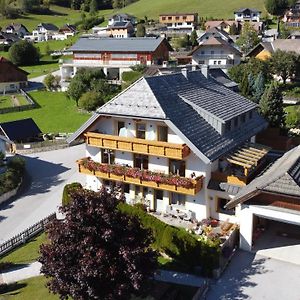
227 126
163 18
141 191
177 167
141 161
212 52
107 156
120 125
219 62
126 188
243 118
169 18
184 17
202 52
215 62
158 194
177 18
177 199
141 130
162 133
221 202
236 122
179 24
222 52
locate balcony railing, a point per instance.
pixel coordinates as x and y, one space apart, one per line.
140 146
229 178
129 175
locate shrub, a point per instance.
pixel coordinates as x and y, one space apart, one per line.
24 53
13 175
177 243
66 198
90 101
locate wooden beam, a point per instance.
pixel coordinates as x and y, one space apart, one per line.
243 160
239 163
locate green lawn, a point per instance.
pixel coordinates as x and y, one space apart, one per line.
5 101
27 253
205 8
30 289
55 114
43 68
61 15
21 99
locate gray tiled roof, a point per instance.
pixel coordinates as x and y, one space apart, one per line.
178 99
117 44
282 177
223 187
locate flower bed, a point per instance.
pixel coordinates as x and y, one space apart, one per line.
145 175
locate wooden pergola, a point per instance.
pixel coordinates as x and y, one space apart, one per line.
247 156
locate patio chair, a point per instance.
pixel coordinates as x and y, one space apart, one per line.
169 211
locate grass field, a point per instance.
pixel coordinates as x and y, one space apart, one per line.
30 289
205 8
43 68
27 253
60 16
5 101
55 114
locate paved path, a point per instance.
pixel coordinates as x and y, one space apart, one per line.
49 172
36 83
256 277
21 273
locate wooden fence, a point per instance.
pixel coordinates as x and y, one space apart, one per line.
25 235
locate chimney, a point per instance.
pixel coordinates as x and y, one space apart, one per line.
184 72
204 70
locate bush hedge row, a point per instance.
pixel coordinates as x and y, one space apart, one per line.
182 246
66 199
11 178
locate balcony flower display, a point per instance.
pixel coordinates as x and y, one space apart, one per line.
145 175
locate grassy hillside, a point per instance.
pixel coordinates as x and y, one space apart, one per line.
60 16
205 8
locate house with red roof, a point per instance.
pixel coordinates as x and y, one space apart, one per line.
12 78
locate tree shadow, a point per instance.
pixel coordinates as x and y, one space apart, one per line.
48 175
11 289
237 277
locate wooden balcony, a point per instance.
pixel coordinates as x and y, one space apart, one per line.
229 178
194 187
140 146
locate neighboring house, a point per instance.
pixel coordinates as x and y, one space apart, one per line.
5 145
216 52
20 131
292 16
275 195
179 20
181 124
120 30
65 32
220 24
8 38
121 18
215 32
18 29
247 14
12 78
115 55
295 35
43 32
265 50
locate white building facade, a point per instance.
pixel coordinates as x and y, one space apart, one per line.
155 145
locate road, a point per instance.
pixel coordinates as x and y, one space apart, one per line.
257 277
48 173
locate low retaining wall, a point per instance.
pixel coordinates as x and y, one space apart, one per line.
8 195
42 149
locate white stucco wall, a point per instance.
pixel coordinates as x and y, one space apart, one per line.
246 221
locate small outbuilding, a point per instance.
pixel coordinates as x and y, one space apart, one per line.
20 131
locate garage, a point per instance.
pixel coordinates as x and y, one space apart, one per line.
270 210
276 239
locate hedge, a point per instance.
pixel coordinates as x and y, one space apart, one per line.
182 246
66 199
12 177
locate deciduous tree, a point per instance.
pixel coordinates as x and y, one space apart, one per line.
140 30
248 39
97 252
284 64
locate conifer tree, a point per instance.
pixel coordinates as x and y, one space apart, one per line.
271 106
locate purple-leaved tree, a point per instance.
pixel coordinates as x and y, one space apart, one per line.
97 252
